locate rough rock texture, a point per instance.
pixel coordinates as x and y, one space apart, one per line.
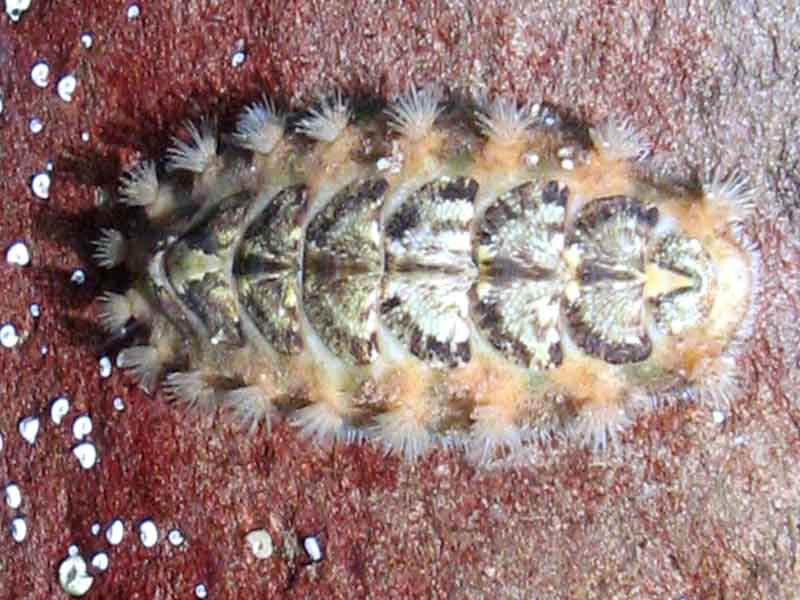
685 509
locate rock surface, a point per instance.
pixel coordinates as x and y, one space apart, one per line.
693 505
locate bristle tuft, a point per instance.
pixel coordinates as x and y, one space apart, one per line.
191 387
260 127
139 186
109 248
197 154
718 384
734 192
115 311
504 122
414 113
597 426
145 364
617 139
402 432
327 122
249 406
323 423
492 431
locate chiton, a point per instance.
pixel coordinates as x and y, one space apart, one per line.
481 276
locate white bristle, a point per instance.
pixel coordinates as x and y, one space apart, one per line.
109 248
191 387
492 431
504 121
401 432
618 139
719 383
115 311
144 362
414 113
597 426
249 406
328 121
322 422
196 155
260 127
733 191
139 186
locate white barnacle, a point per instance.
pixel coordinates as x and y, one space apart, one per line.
139 186
144 363
326 122
260 126
617 139
505 122
197 154
414 113
109 248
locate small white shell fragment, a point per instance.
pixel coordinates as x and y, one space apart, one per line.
311 544
531 159
718 417
59 409
86 453
15 8
100 561
35 310
73 576
260 543
72 550
148 533
40 73
87 40
85 136
78 277
35 125
8 335
238 58
29 429
105 367
82 426
568 164
95 528
115 532
175 537
134 11
19 529
40 185
18 254
200 591
2 441
13 496
119 403
66 87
